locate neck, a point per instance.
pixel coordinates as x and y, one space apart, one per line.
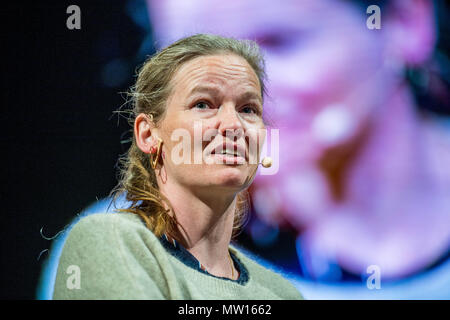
205 224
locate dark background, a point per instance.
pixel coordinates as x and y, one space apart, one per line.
58 146
60 139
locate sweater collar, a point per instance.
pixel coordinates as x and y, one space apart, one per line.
177 250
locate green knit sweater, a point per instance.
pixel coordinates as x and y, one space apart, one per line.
114 256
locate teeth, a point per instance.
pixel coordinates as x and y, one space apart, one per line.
232 153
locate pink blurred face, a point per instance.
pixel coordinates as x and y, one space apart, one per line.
322 61
323 73
326 72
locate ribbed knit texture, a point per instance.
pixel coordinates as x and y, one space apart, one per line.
119 258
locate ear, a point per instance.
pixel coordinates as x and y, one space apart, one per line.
145 132
410 29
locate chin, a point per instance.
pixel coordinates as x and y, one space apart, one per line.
231 176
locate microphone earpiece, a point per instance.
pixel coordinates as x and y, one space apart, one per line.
266 162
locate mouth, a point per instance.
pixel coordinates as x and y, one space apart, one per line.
229 153
227 159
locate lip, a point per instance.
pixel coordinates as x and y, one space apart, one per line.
240 150
232 160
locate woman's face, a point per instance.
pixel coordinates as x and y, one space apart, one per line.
215 105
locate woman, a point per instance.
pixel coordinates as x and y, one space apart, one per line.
173 241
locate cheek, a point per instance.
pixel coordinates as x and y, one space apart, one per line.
187 141
255 140
178 139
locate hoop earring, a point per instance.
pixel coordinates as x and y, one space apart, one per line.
154 159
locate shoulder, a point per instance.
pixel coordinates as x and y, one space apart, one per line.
106 227
269 278
107 222
112 234
116 256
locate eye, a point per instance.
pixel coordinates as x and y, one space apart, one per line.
202 105
249 109
273 41
283 40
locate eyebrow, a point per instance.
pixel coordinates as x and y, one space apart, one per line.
216 91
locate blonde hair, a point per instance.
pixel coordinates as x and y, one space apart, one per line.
137 179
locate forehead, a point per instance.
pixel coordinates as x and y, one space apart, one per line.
222 70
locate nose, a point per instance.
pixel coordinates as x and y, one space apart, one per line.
230 124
